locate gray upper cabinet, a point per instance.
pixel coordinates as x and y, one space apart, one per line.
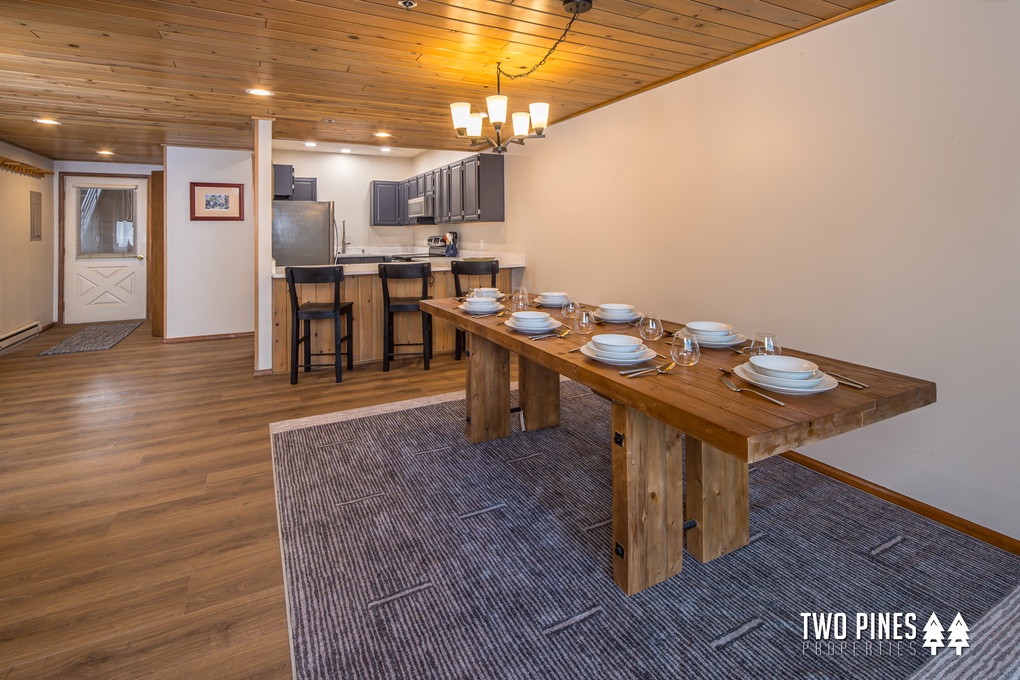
469 190
283 182
385 205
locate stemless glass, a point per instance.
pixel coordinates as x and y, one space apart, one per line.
650 327
570 308
685 350
519 302
584 322
520 290
764 343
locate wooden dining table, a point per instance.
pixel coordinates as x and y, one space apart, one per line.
658 421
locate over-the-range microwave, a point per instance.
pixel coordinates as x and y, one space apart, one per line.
420 207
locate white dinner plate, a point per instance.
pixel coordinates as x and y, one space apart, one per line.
817 378
541 302
474 309
617 319
713 344
641 357
533 330
827 383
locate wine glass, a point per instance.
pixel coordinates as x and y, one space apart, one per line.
764 343
570 308
584 322
650 327
685 350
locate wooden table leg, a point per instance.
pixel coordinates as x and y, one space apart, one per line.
538 390
488 390
717 499
648 533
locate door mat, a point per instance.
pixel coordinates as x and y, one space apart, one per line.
410 553
94 338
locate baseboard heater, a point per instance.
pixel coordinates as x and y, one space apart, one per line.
18 335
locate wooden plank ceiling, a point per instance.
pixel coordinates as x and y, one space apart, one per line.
131 75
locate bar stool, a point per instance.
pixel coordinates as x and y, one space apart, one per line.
461 268
394 305
309 311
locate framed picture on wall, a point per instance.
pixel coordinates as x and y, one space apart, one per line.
217 201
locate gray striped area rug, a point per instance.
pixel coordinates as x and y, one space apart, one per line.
410 553
94 338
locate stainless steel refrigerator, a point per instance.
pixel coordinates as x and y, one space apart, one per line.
303 233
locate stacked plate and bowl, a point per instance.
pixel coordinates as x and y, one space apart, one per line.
482 303
551 299
615 312
617 350
715 334
532 323
785 374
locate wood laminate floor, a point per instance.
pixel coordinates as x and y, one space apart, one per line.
138 533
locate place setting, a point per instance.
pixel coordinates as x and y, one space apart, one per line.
537 325
617 350
551 299
616 312
715 334
483 302
768 369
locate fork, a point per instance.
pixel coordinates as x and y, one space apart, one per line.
558 334
662 370
733 387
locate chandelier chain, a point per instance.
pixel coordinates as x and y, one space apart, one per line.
515 76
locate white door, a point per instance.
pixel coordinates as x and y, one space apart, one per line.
104 249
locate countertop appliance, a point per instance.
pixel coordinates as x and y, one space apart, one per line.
437 246
304 233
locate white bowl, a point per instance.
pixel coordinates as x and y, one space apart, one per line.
808 382
480 301
531 319
487 292
778 366
616 356
616 343
710 328
616 308
554 297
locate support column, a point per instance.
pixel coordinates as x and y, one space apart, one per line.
538 390
488 390
717 498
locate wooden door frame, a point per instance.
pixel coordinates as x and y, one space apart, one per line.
62 200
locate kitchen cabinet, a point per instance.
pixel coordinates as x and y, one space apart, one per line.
386 203
474 191
283 182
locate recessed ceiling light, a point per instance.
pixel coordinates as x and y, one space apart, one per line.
104 152
46 121
382 134
384 149
258 91
310 144
345 150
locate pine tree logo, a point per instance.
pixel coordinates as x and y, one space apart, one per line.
958 636
933 634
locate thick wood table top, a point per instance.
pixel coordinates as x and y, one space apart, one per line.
694 399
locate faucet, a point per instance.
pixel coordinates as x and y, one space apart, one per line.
343 239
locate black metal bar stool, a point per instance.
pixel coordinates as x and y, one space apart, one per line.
394 305
461 268
318 310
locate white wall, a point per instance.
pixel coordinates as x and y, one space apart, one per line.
855 190
210 279
345 179
26 266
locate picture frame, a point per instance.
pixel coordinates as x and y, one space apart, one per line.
217 201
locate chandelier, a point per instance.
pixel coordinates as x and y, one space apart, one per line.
469 125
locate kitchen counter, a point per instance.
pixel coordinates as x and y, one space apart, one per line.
439 264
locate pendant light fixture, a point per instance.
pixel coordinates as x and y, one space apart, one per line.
469 125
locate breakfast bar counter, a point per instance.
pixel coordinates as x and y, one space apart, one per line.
725 431
363 287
